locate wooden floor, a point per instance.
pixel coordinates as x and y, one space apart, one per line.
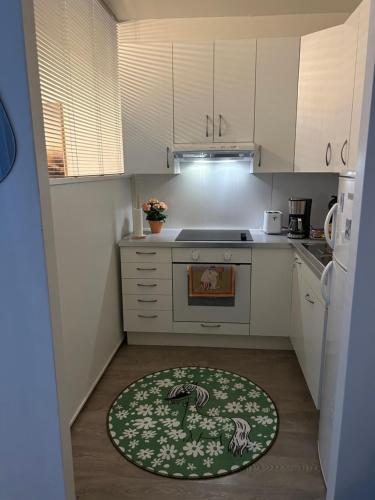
289 471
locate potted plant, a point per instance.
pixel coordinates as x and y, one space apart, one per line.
154 210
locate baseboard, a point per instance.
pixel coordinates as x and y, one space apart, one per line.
193 340
95 383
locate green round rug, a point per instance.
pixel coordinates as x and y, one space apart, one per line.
193 423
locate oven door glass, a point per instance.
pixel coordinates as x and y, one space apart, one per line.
237 311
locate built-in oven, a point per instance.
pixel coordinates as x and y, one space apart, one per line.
234 309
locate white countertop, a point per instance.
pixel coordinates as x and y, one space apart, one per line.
167 238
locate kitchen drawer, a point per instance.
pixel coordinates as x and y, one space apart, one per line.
146 286
310 277
211 328
146 270
145 254
148 302
147 321
212 255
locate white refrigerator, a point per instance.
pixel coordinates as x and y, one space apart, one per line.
333 283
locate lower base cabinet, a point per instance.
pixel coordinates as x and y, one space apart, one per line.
308 325
271 290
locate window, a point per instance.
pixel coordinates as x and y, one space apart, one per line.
77 58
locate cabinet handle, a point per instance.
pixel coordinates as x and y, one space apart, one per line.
145 253
147 285
144 301
307 297
328 154
204 325
167 156
152 316
342 151
220 119
146 268
260 156
297 261
207 117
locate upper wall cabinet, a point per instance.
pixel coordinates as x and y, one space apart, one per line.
214 91
147 107
330 95
193 92
358 24
317 101
234 90
276 103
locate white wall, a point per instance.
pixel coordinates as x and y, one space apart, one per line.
225 28
35 453
229 196
89 219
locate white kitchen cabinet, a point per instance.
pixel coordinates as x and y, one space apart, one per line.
234 90
214 91
358 22
193 92
147 107
308 325
347 55
276 103
271 291
318 89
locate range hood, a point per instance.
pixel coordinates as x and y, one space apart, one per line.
220 152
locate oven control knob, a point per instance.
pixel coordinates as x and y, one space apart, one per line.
227 256
195 255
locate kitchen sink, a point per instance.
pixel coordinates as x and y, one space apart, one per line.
322 251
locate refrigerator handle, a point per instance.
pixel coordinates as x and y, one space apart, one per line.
324 282
331 238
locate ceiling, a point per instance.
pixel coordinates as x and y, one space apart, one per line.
160 9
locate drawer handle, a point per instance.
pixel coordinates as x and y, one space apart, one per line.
146 269
146 253
204 325
147 285
152 316
143 301
307 297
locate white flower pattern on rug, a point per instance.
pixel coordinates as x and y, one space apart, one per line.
184 422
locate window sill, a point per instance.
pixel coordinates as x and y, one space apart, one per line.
87 178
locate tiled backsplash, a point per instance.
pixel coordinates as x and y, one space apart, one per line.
217 195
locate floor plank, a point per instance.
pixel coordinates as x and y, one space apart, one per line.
289 471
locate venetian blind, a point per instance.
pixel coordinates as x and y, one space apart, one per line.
77 58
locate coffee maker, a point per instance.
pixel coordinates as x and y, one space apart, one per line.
299 217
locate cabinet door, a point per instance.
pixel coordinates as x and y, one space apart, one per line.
147 106
296 316
234 90
361 17
317 101
193 92
276 103
345 89
313 325
271 288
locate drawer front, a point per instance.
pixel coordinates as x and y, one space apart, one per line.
211 328
146 286
145 254
311 278
212 255
147 321
146 270
148 302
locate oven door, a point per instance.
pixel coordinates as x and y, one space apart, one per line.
237 311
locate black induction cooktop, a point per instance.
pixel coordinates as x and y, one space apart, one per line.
214 235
